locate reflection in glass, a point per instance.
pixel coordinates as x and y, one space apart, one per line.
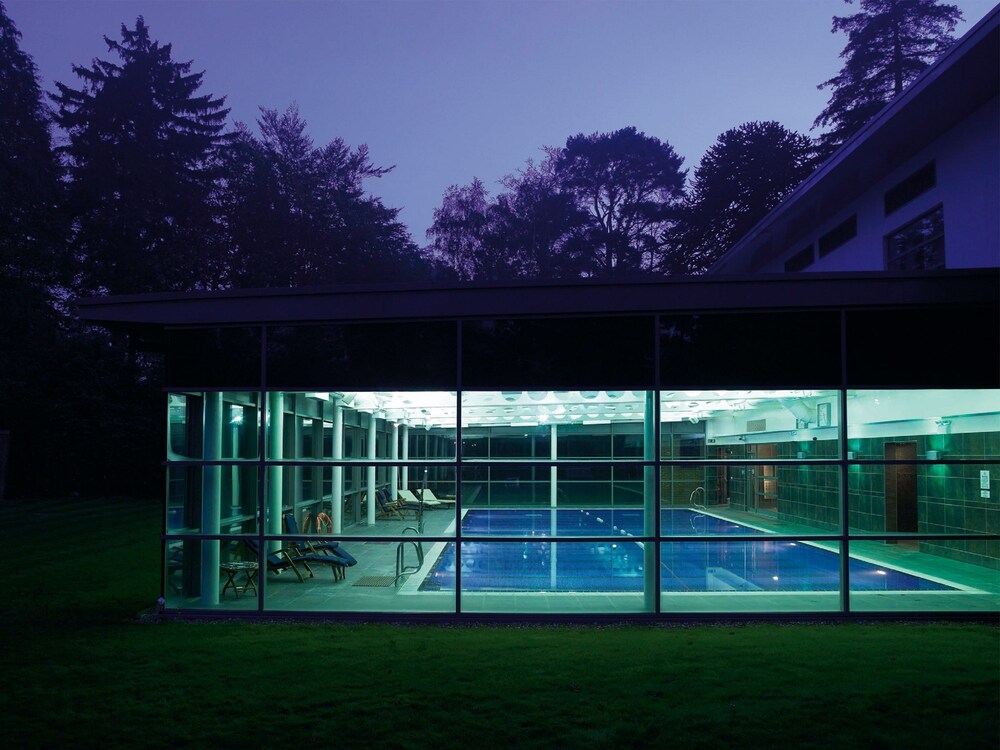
214 426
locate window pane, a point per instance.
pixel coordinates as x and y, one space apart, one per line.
213 357
335 500
954 346
210 575
934 576
577 353
331 425
536 576
385 576
232 417
750 576
750 350
212 499
749 424
570 500
750 500
924 424
371 355
924 498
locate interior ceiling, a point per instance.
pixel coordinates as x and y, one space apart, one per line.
527 408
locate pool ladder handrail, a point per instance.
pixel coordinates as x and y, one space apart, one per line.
402 569
704 498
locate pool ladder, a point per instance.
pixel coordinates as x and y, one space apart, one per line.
402 569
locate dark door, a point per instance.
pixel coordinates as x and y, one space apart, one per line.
901 488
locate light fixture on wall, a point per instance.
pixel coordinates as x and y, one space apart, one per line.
943 425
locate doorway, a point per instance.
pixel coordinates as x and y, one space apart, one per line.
901 488
763 484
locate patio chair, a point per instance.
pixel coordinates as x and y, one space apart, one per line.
431 500
290 558
387 508
316 546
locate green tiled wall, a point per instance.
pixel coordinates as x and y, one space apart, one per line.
810 495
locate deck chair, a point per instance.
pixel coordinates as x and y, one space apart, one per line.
316 546
411 500
431 500
290 558
386 507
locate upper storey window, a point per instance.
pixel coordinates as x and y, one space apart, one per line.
917 246
905 191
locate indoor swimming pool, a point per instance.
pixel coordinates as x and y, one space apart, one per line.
534 564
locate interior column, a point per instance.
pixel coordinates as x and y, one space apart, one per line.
338 471
370 472
211 499
649 502
276 450
394 455
404 482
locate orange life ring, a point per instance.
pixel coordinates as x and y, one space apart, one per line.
324 521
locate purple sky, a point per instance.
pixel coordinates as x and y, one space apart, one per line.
448 91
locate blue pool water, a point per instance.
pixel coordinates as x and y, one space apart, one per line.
758 565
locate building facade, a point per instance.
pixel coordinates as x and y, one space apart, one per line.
771 445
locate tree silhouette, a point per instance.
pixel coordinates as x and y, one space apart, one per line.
889 43
142 154
297 214
30 225
628 183
743 175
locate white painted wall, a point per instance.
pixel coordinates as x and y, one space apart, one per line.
967 161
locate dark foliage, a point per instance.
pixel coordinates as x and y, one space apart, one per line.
746 172
889 43
142 156
297 214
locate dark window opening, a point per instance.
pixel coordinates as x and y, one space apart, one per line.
844 231
801 260
916 184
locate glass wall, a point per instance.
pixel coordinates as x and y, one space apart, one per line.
484 492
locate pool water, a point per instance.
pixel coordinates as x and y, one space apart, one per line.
618 566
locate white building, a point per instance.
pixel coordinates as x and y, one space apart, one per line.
917 188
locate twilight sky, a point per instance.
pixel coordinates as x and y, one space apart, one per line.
448 91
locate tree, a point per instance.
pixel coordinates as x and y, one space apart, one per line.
458 234
143 152
890 42
629 184
30 229
743 175
297 214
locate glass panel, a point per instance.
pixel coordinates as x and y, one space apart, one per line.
935 576
213 357
571 353
923 424
750 350
336 500
749 424
370 355
228 580
912 347
232 414
212 499
569 500
599 425
924 498
750 499
331 425
750 576
383 576
535 576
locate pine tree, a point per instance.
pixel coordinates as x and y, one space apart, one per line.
143 148
30 231
890 42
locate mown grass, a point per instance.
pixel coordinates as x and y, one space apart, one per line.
79 668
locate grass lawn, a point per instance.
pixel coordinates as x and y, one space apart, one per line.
79 669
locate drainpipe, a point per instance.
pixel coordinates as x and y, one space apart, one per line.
553 505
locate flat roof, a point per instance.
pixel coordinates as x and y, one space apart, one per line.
588 297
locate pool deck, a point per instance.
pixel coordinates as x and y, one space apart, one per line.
369 586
